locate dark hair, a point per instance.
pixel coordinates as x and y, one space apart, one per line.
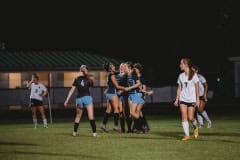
107 66
196 67
35 76
138 66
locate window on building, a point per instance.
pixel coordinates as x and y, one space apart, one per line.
69 78
14 80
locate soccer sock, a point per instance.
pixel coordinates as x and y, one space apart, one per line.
105 118
185 126
129 123
122 121
116 117
141 123
144 120
200 118
76 126
45 121
194 124
134 124
93 125
205 115
35 122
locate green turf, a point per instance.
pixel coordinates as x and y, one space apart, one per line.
22 142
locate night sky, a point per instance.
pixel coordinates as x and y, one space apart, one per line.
172 30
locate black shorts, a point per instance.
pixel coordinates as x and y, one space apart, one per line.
187 104
35 103
201 98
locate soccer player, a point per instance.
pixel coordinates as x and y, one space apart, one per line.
143 89
135 99
38 91
112 97
121 78
203 89
84 100
187 97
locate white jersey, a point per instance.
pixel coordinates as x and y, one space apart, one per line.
202 80
188 92
37 90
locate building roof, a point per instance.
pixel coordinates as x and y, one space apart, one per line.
50 60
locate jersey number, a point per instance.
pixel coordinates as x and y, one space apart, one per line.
82 83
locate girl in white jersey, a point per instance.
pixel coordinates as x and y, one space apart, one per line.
187 97
203 89
38 91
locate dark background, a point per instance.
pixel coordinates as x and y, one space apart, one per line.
156 34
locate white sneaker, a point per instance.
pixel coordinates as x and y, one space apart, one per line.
209 125
201 126
74 134
95 135
45 126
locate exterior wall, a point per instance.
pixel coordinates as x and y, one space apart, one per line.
48 78
4 80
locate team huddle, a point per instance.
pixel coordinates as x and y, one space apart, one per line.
125 94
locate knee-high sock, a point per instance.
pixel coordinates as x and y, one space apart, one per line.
185 126
75 127
200 118
45 121
129 123
194 124
116 118
35 121
93 125
205 115
105 118
122 121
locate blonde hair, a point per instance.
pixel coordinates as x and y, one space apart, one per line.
84 69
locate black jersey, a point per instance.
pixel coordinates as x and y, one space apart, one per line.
142 81
121 79
111 88
83 84
131 81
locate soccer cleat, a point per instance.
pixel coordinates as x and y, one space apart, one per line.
95 135
45 126
201 126
104 128
186 138
74 134
115 128
195 133
209 125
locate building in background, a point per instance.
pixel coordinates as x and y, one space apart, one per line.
55 68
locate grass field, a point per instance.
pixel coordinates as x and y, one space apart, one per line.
21 142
